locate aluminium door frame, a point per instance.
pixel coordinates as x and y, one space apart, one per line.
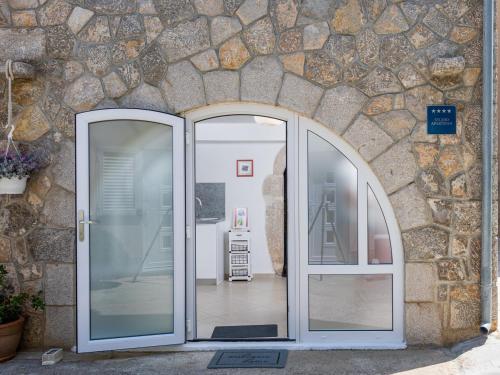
84 343
230 109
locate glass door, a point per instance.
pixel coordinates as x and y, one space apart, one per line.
131 229
351 265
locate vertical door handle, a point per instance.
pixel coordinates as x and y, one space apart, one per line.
81 224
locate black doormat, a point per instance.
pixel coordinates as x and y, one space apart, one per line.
245 332
249 359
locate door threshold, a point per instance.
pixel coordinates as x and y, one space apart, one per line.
288 345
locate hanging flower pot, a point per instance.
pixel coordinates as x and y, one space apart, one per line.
15 169
13 185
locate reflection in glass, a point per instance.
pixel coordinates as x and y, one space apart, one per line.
379 244
332 200
350 302
131 240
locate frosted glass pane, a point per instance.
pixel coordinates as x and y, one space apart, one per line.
333 204
350 302
131 240
379 244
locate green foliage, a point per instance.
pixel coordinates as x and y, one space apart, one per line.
12 305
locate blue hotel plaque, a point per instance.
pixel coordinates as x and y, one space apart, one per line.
441 119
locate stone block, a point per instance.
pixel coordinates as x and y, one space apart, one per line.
437 22
221 86
418 98
422 37
290 41
284 13
466 217
315 35
368 46
54 12
96 31
114 86
348 18
260 37
395 49
320 67
380 81
451 269
183 87
447 66
463 34
171 11
423 323
206 61
60 327
145 97
223 28
397 123
233 54
52 245
22 44
367 138
396 167
410 207
441 211
5 250
391 21
299 95
153 27
294 63
339 106
261 80
425 243
420 282
79 18
84 93
59 208
209 7
252 10
31 124
59 284
186 39
63 169
16 219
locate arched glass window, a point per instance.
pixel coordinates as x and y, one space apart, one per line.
351 278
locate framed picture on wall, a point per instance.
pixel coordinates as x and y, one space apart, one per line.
240 217
244 168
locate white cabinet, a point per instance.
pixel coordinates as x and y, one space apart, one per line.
239 255
209 253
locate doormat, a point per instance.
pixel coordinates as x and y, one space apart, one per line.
264 358
244 332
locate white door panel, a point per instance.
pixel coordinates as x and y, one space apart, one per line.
131 229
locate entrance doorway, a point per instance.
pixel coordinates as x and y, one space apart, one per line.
330 275
241 285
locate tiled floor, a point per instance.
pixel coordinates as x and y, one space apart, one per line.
260 301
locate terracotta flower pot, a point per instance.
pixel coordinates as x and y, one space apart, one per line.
10 336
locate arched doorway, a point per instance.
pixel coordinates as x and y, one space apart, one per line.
345 261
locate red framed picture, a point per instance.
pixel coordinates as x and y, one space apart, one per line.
244 168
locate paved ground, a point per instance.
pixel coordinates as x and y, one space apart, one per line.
479 356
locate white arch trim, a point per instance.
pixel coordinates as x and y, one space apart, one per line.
297 127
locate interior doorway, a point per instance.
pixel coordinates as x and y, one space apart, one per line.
240 246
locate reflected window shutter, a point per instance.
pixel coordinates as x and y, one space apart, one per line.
118 187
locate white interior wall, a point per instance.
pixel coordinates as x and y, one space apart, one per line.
217 148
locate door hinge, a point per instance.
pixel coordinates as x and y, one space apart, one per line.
188 231
189 327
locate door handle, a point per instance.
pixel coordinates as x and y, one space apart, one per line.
81 225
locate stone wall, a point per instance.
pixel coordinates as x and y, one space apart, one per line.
364 68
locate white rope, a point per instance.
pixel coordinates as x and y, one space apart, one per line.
9 74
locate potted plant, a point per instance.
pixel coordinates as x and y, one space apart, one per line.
12 306
15 169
